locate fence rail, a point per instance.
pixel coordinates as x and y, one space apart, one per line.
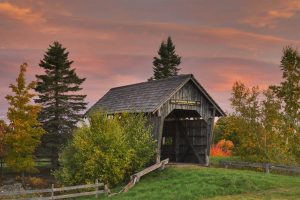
150 169
136 177
52 191
266 166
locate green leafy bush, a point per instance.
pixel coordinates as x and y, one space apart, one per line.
139 140
107 149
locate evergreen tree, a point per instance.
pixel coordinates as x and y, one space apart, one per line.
166 64
24 131
62 106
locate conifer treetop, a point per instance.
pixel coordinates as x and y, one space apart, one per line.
166 64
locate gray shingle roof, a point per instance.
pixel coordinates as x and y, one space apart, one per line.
140 97
146 96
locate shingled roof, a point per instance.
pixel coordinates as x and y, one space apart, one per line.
145 96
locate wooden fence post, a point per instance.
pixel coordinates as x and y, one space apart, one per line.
267 167
96 188
107 190
52 191
162 165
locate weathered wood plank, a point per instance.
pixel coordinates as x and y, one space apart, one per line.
25 192
151 168
286 168
77 187
49 190
183 132
266 166
36 198
78 194
242 164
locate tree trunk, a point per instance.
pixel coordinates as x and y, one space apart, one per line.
23 179
54 158
1 170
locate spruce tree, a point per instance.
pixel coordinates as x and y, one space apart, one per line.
166 64
62 106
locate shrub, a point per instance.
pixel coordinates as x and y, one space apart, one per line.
106 149
36 182
139 140
223 148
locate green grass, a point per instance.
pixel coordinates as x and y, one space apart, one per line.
291 193
196 183
214 160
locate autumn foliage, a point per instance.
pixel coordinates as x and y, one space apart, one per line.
223 148
24 129
3 130
264 125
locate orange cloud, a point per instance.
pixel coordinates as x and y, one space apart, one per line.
219 74
268 15
25 15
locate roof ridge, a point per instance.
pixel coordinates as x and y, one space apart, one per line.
145 82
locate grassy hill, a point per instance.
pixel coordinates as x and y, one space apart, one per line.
201 183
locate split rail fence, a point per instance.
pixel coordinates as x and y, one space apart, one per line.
39 194
266 166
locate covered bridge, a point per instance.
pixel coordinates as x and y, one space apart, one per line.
181 112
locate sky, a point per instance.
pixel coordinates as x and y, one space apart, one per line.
112 43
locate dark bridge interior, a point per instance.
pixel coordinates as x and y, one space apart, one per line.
184 137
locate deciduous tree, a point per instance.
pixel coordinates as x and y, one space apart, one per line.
259 126
24 129
3 146
289 93
109 149
97 150
138 137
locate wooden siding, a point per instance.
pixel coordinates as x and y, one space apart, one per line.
199 132
188 92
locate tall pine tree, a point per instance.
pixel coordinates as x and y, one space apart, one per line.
166 64
62 106
25 131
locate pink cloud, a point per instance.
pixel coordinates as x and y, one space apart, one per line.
113 43
267 15
25 15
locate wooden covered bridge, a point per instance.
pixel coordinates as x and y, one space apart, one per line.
181 111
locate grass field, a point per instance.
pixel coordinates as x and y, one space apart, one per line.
214 160
212 183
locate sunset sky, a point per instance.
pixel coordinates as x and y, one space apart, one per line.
113 42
